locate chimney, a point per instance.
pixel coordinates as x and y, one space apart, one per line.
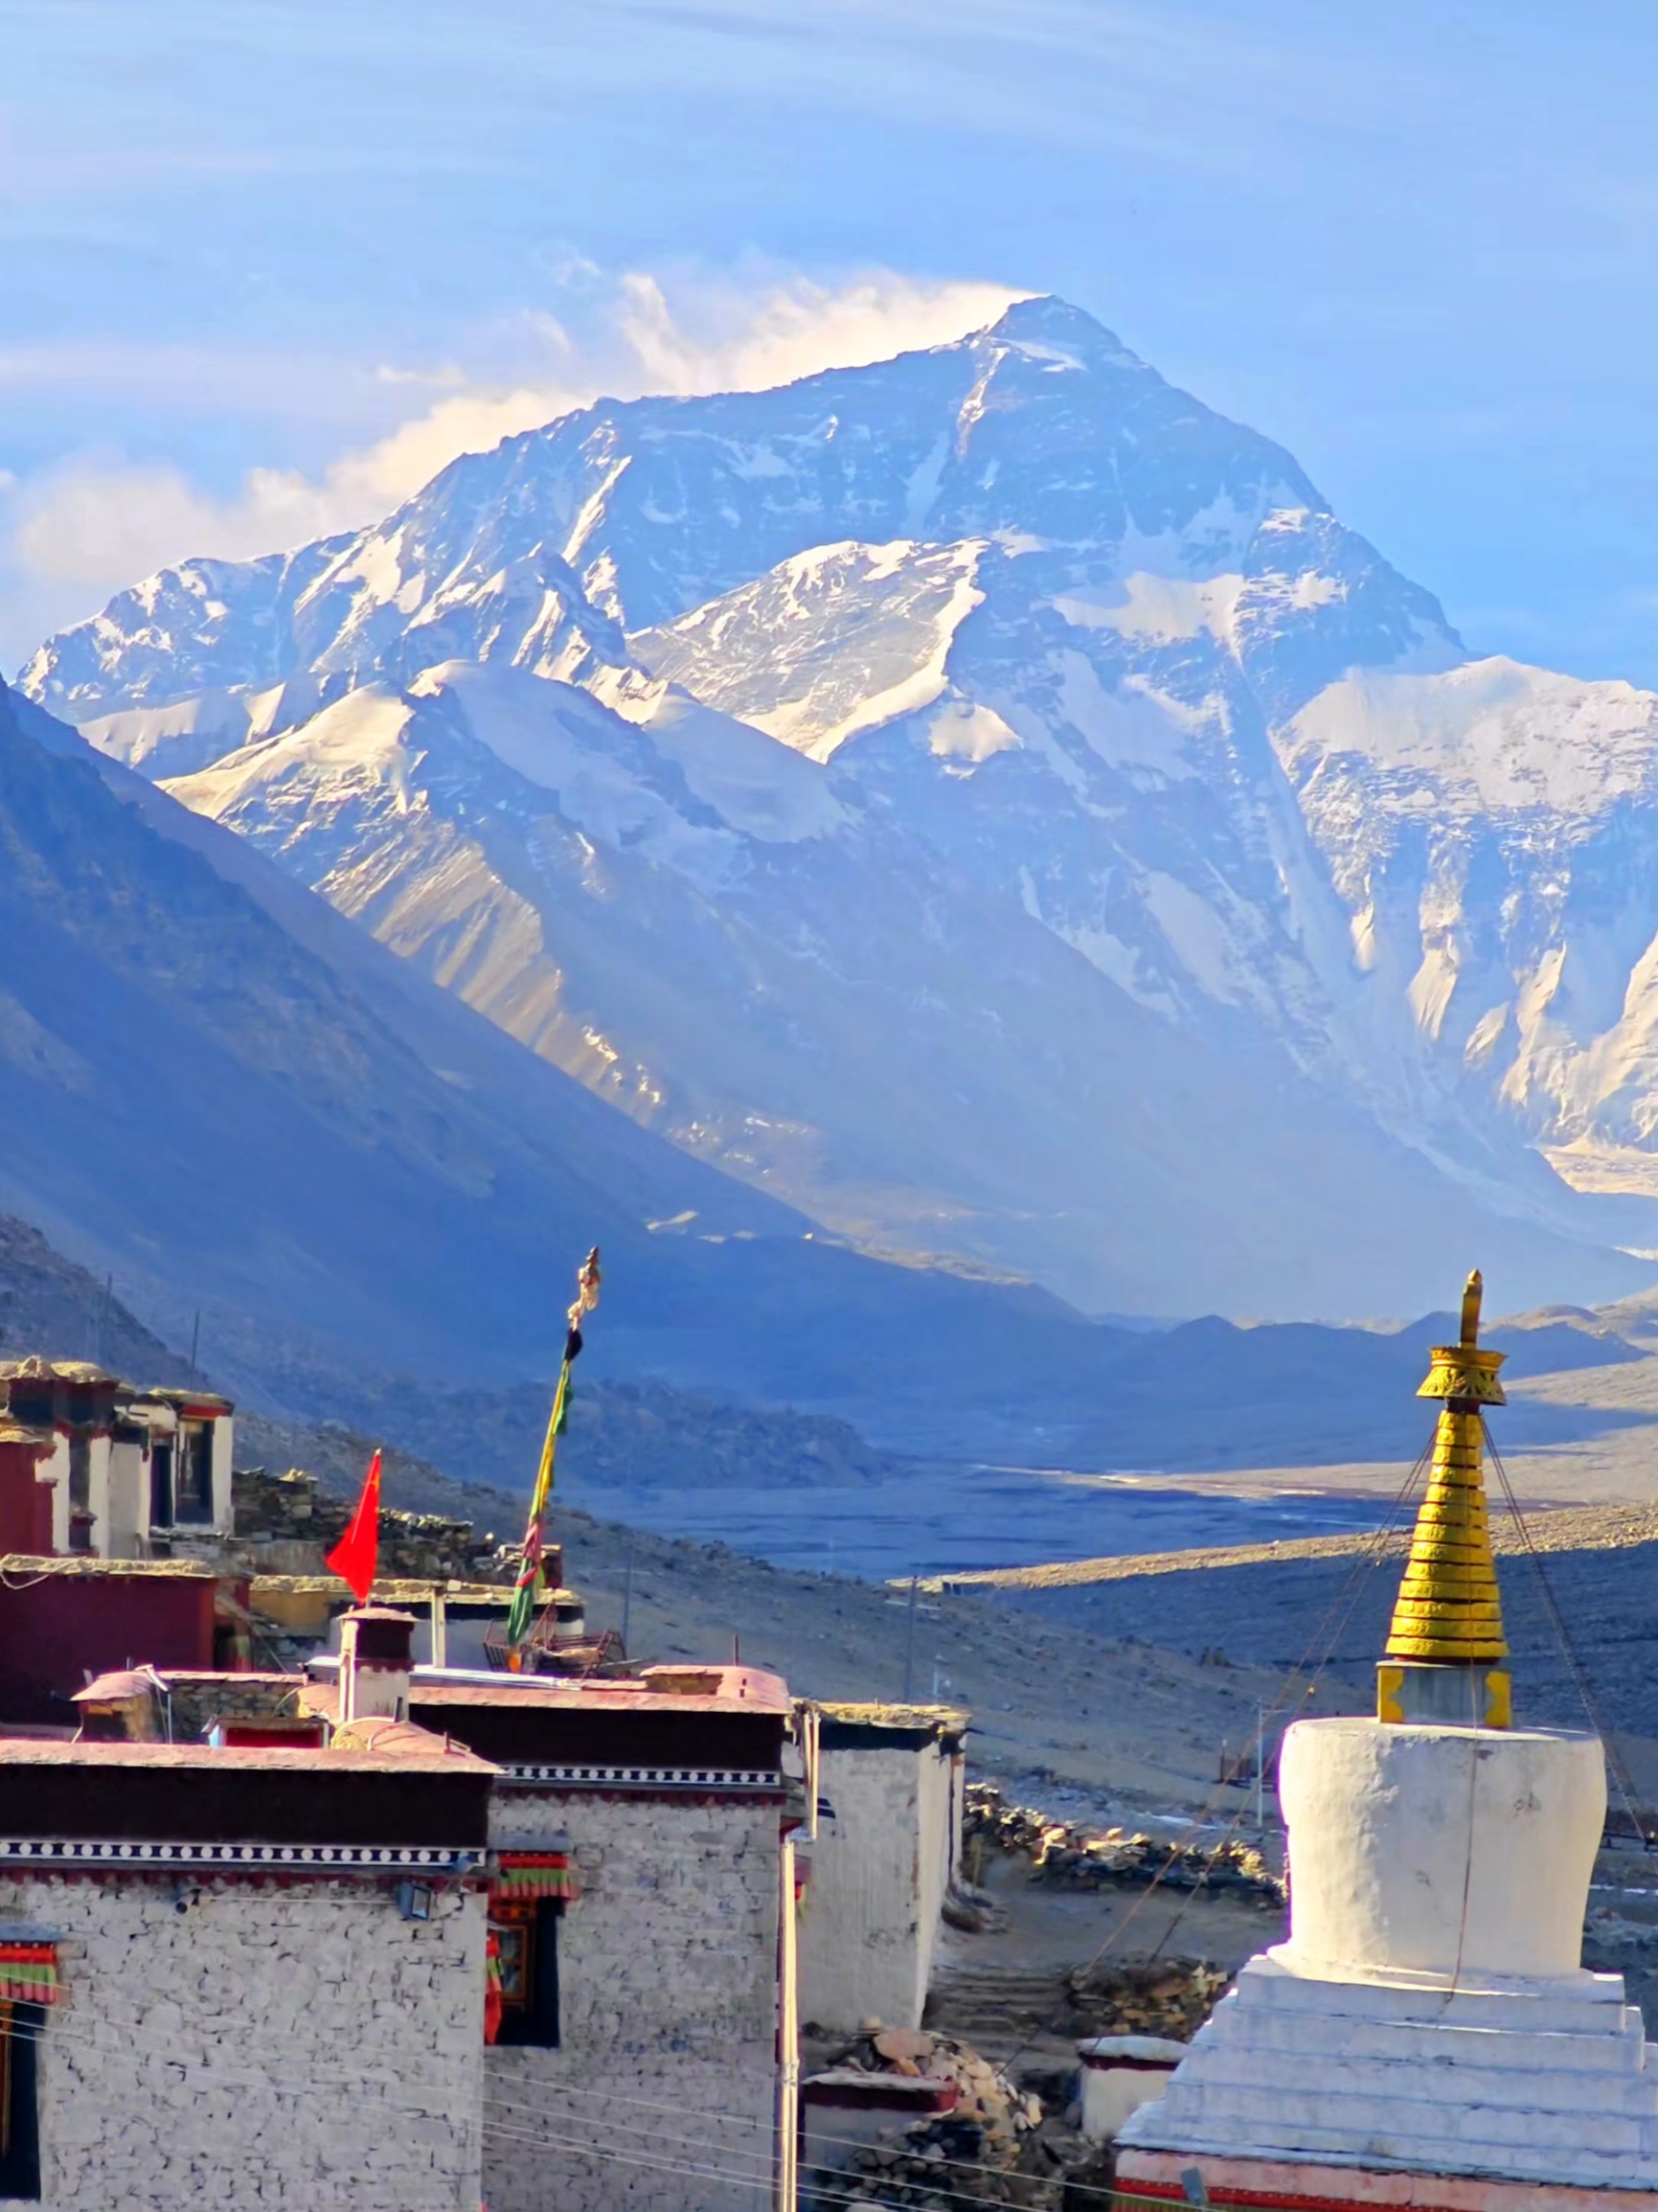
377 1661
120 1708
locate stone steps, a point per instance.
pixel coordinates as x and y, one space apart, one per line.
1547 2083
993 2010
1621 2051
1593 2005
1309 2117
1271 2118
1570 2163
1426 2079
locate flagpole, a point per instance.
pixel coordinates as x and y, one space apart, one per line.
531 1583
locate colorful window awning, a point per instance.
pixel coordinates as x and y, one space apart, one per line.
522 1875
28 1974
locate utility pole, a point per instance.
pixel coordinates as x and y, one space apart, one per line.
1260 1769
626 1598
910 1641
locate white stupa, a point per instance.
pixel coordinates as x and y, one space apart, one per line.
1428 2036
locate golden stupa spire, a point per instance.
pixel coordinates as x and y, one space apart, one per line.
1448 1612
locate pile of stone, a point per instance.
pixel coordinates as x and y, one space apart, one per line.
989 2147
1167 1996
1068 1854
274 1508
1007 2008
283 1523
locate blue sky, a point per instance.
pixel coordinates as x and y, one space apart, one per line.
268 264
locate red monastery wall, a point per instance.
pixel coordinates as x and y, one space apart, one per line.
60 1625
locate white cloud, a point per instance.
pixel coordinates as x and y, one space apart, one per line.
799 327
98 523
103 523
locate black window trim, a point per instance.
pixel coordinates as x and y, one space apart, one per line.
20 2158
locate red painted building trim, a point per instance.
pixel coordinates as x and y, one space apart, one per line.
1153 2192
25 1501
1151 2179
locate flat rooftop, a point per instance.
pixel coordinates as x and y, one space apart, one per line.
159 1802
36 1752
737 1690
72 1565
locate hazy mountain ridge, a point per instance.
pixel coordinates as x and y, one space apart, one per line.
215 1087
1085 679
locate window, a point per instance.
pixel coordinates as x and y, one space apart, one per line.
514 1946
20 2025
527 1955
80 1514
192 1494
161 1483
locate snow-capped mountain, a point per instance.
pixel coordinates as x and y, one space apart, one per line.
987 798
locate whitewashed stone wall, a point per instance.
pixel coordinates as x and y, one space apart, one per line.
668 2015
124 1521
299 2048
223 1459
878 1875
940 1792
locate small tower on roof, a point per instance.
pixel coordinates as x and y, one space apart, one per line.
1445 1650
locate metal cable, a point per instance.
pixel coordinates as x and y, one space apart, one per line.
1348 1596
1574 1666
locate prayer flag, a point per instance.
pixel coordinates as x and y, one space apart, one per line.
529 1582
356 1557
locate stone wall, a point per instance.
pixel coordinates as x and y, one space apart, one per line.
246 2046
195 1701
941 1806
285 1524
669 2013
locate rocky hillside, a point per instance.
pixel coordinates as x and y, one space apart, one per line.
625 1436
50 1305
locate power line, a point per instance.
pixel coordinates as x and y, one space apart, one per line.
282 2072
587 2145
703 2142
1586 1688
583 2147
1366 1561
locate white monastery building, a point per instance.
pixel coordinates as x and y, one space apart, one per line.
242 1977
643 1910
887 1856
127 1473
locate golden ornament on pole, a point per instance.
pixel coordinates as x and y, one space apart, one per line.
1449 1612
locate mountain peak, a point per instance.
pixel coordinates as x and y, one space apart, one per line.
1047 321
1123 749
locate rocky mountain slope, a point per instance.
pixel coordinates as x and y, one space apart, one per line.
215 1087
986 799
48 1305
628 1436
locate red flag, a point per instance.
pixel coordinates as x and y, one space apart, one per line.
357 1555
